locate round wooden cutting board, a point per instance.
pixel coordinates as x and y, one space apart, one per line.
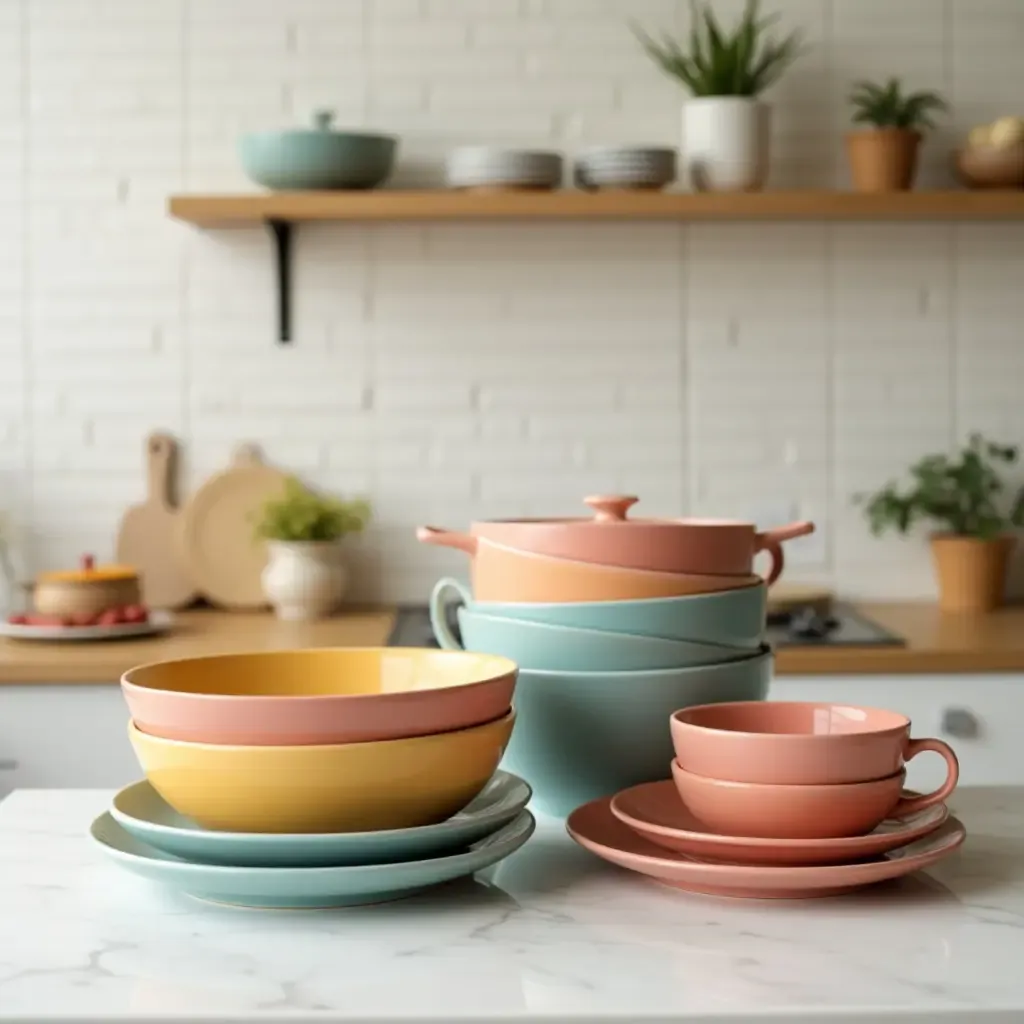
785 598
147 536
217 542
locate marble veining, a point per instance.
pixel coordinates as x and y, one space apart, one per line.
551 934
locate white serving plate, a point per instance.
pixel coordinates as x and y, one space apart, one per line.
159 622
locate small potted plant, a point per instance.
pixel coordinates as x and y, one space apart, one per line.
965 498
726 128
883 158
305 576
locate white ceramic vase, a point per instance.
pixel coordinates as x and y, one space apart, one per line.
304 580
726 143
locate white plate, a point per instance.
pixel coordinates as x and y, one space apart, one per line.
159 622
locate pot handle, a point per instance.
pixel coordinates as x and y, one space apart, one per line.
790 531
439 611
778 561
610 508
447 539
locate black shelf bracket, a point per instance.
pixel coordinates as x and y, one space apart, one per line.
281 230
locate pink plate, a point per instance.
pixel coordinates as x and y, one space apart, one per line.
596 829
655 811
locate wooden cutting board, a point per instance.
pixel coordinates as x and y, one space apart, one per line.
147 536
784 598
217 543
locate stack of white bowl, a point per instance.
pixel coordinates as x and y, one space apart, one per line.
626 167
492 167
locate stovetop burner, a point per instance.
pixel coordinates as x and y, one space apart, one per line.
804 628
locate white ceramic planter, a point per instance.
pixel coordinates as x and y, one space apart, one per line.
726 142
304 579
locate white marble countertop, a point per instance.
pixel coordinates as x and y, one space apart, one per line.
553 934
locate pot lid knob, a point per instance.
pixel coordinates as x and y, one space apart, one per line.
87 563
323 119
611 508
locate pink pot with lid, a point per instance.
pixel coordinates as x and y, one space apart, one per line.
710 547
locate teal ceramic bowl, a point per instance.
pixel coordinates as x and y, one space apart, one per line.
538 645
584 735
729 618
141 811
317 158
281 888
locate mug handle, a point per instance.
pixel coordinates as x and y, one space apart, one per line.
778 561
439 608
911 805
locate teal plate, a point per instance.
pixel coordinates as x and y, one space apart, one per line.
281 888
140 810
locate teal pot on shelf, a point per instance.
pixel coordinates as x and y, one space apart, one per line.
317 158
584 735
729 618
538 645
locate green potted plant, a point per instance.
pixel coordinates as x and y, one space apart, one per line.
726 128
965 498
883 157
305 576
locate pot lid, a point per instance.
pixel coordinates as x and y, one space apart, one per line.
89 572
609 509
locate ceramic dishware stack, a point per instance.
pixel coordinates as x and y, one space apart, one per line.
316 778
488 167
644 168
615 623
779 799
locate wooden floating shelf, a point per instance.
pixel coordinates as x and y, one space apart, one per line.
440 205
281 211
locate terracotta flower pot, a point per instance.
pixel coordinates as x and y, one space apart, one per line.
883 159
972 572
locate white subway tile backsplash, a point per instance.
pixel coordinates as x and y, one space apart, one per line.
453 372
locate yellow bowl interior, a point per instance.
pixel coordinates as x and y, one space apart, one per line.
347 671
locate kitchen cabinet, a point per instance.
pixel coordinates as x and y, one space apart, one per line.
64 737
978 715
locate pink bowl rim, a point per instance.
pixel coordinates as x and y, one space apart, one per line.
789 788
508 674
509 717
678 719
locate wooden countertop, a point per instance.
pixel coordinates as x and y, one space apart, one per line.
935 643
195 633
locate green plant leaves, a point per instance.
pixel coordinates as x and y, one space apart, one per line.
886 106
742 61
961 494
301 514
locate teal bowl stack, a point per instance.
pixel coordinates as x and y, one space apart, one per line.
599 679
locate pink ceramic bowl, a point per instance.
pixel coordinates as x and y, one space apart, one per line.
501 573
798 812
797 743
318 697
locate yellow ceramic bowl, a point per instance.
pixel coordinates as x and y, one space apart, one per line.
353 787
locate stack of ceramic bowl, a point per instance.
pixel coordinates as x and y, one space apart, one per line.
486 167
320 777
776 800
626 167
614 623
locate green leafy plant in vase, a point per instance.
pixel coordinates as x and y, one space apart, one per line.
305 576
883 157
965 497
726 127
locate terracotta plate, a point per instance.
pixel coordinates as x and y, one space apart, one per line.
655 811
595 828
